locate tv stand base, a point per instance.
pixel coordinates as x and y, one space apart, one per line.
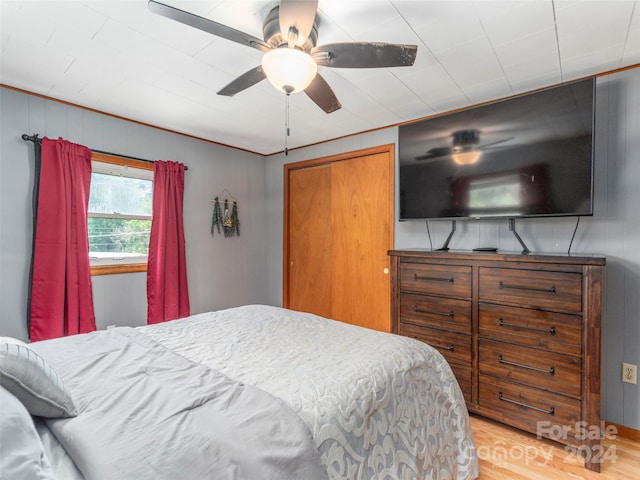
512 228
445 246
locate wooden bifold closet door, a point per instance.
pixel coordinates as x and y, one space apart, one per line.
338 230
310 240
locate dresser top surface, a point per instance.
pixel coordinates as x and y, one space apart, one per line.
502 256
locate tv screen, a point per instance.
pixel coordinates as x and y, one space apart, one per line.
529 155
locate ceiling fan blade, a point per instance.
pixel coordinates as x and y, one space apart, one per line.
300 14
364 55
320 92
435 153
244 81
208 26
486 145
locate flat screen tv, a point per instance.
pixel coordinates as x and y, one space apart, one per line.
526 156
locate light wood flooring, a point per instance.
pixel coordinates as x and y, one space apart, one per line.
509 454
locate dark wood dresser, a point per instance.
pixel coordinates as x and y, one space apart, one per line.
520 332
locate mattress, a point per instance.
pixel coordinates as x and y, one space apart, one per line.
376 405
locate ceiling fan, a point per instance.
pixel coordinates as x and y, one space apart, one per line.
290 35
465 148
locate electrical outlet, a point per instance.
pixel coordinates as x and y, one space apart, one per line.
629 373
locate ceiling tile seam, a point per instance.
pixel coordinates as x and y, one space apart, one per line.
53 31
82 89
129 28
355 87
424 102
106 20
333 21
70 65
626 40
495 54
555 27
204 47
434 56
418 98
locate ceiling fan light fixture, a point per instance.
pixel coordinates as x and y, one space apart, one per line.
468 157
289 69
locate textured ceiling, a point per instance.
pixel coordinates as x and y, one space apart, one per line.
118 58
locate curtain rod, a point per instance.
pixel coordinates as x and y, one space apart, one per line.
34 138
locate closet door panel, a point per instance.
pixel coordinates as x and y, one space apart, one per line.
361 224
310 266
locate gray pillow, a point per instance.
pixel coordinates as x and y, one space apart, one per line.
33 381
23 456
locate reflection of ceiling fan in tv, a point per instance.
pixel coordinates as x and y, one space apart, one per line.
291 57
465 148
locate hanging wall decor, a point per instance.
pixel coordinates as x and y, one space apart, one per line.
231 224
225 218
216 219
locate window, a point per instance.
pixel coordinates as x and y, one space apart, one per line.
119 214
500 191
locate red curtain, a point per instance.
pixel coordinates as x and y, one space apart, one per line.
61 295
167 292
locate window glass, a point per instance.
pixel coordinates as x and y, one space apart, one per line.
118 238
119 214
502 191
112 194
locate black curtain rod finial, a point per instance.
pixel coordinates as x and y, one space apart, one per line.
29 138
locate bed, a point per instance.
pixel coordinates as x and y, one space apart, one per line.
250 392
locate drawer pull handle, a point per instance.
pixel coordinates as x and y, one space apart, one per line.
450 314
551 289
417 277
551 410
550 371
551 330
450 347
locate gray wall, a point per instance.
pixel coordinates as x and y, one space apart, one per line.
614 230
222 272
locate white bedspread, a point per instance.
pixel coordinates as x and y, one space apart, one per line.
379 406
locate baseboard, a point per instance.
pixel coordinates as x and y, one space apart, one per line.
626 432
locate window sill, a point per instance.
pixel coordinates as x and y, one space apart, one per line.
115 269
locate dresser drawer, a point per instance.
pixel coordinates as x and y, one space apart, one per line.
463 376
531 405
560 291
557 332
455 347
540 368
447 313
451 281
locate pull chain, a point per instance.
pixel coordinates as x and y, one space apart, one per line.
286 124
